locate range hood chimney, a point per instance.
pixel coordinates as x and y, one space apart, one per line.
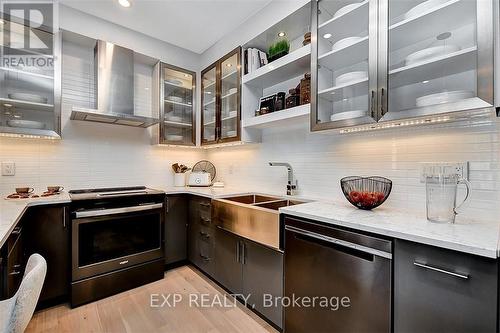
114 70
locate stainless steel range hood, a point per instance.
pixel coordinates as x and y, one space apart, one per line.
114 70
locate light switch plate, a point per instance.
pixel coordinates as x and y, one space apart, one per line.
8 168
459 168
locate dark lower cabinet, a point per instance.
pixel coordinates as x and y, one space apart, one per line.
14 261
245 267
177 210
228 268
438 290
263 279
47 232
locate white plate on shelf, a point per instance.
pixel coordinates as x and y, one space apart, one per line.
444 97
345 42
175 82
422 8
233 114
232 91
429 53
351 77
347 115
28 98
176 119
346 9
175 99
173 137
25 123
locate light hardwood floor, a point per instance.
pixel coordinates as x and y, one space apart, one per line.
131 311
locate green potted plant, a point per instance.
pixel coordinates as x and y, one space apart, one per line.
278 49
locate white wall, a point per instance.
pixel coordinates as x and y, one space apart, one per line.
92 154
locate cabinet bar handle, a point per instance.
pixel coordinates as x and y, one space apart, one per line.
373 104
204 204
382 102
238 251
64 217
435 269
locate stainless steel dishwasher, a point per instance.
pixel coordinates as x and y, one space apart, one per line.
335 280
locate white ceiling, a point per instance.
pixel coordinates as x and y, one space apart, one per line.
191 24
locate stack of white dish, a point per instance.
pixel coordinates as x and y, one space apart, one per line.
173 137
347 115
444 97
25 123
173 118
422 8
429 53
346 9
345 42
28 97
346 78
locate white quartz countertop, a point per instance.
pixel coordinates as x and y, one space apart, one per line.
12 210
474 237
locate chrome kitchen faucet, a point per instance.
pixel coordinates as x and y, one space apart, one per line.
291 184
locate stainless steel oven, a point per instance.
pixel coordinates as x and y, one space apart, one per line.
117 241
105 240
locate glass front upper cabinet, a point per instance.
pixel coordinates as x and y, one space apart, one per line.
30 88
177 125
221 100
439 57
344 47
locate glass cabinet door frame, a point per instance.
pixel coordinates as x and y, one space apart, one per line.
371 117
218 99
485 67
379 68
162 105
56 132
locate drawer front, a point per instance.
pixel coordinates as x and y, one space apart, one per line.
205 248
438 290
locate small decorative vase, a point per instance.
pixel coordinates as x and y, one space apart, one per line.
179 179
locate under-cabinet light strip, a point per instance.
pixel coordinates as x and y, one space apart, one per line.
29 136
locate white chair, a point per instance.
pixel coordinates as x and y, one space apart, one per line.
16 312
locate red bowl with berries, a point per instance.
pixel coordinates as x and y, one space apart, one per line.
366 192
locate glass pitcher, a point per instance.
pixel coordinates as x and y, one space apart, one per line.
442 197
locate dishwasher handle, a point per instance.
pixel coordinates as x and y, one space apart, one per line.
335 241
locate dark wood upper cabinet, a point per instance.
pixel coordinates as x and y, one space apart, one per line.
221 100
177 106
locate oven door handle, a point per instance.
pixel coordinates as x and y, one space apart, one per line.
113 211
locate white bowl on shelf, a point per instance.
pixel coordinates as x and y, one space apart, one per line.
345 42
25 124
429 53
443 97
33 98
422 8
346 9
351 77
173 137
347 115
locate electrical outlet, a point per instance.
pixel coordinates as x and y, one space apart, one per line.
8 168
459 168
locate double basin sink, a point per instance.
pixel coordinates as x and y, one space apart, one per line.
253 216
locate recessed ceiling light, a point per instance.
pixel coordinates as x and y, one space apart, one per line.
124 3
7 105
229 65
281 34
186 75
327 36
425 81
209 92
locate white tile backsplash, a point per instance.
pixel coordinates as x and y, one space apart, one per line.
321 160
